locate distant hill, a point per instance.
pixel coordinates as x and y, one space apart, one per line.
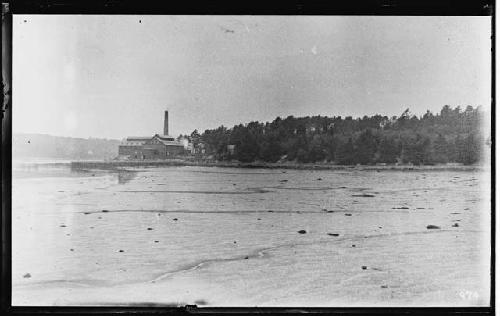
47 146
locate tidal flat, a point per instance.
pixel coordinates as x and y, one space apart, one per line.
250 237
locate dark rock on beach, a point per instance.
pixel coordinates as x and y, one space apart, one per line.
149 228
363 195
401 208
301 231
364 267
332 234
27 275
455 225
433 227
348 214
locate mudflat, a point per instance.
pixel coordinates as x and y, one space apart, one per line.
250 237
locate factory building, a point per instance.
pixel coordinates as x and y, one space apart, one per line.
155 147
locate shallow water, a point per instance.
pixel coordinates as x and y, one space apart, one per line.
229 237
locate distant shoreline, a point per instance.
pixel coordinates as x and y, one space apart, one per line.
267 165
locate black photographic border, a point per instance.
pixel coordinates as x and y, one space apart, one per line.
222 7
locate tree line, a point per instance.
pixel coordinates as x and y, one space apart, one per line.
452 135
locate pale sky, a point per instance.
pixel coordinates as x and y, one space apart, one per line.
113 76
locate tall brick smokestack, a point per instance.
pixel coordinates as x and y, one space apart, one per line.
165 124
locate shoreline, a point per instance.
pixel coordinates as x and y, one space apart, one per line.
266 165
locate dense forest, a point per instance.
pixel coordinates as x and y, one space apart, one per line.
453 135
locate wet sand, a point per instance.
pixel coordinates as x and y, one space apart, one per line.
230 237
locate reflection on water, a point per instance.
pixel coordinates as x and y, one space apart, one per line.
41 169
125 176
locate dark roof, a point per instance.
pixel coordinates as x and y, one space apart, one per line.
165 137
139 138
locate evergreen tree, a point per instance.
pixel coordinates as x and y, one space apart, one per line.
366 146
270 151
470 150
346 154
416 150
441 150
388 150
317 150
